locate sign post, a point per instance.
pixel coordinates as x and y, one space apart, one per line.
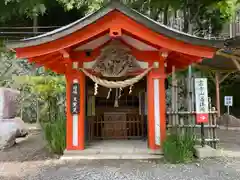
201 100
228 101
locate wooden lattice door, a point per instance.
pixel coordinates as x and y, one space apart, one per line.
115 125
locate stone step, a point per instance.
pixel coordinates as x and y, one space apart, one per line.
114 151
109 156
111 153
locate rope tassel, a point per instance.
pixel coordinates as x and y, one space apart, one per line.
130 89
109 93
116 99
120 93
95 89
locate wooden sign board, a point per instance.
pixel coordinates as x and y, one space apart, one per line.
201 99
75 98
228 100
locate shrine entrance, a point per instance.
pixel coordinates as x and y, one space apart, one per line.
117 114
116 50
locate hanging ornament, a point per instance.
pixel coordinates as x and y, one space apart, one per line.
120 93
115 60
95 89
109 93
130 89
116 99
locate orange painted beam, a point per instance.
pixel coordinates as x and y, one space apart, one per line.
147 56
180 60
75 39
44 58
54 62
57 62
58 69
80 56
176 64
146 35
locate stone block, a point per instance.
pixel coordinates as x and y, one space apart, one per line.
205 152
8 103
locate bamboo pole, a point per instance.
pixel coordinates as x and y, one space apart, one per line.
224 77
173 96
218 105
236 63
210 130
190 95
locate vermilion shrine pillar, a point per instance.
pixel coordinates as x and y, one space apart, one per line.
156 106
75 107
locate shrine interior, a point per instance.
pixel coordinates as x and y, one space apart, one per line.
115 113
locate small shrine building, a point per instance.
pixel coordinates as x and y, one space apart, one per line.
115 47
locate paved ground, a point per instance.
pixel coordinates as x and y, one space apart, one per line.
29 160
229 139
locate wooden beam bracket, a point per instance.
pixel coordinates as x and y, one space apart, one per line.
65 54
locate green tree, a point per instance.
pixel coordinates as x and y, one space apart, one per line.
198 15
49 13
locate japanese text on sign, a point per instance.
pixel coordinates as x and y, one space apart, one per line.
201 95
75 99
228 100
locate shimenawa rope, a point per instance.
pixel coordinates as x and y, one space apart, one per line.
116 84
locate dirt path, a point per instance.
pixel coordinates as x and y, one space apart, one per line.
31 148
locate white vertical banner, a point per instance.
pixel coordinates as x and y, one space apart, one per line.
75 123
201 98
157 112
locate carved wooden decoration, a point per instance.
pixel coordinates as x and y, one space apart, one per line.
115 60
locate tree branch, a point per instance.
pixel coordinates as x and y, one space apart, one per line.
197 13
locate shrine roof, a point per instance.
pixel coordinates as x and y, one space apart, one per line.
219 63
114 5
233 42
222 60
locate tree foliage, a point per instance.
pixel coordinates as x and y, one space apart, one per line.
197 15
11 8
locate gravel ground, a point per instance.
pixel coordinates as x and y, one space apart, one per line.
217 169
29 160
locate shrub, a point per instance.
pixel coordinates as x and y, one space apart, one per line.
179 148
55 134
